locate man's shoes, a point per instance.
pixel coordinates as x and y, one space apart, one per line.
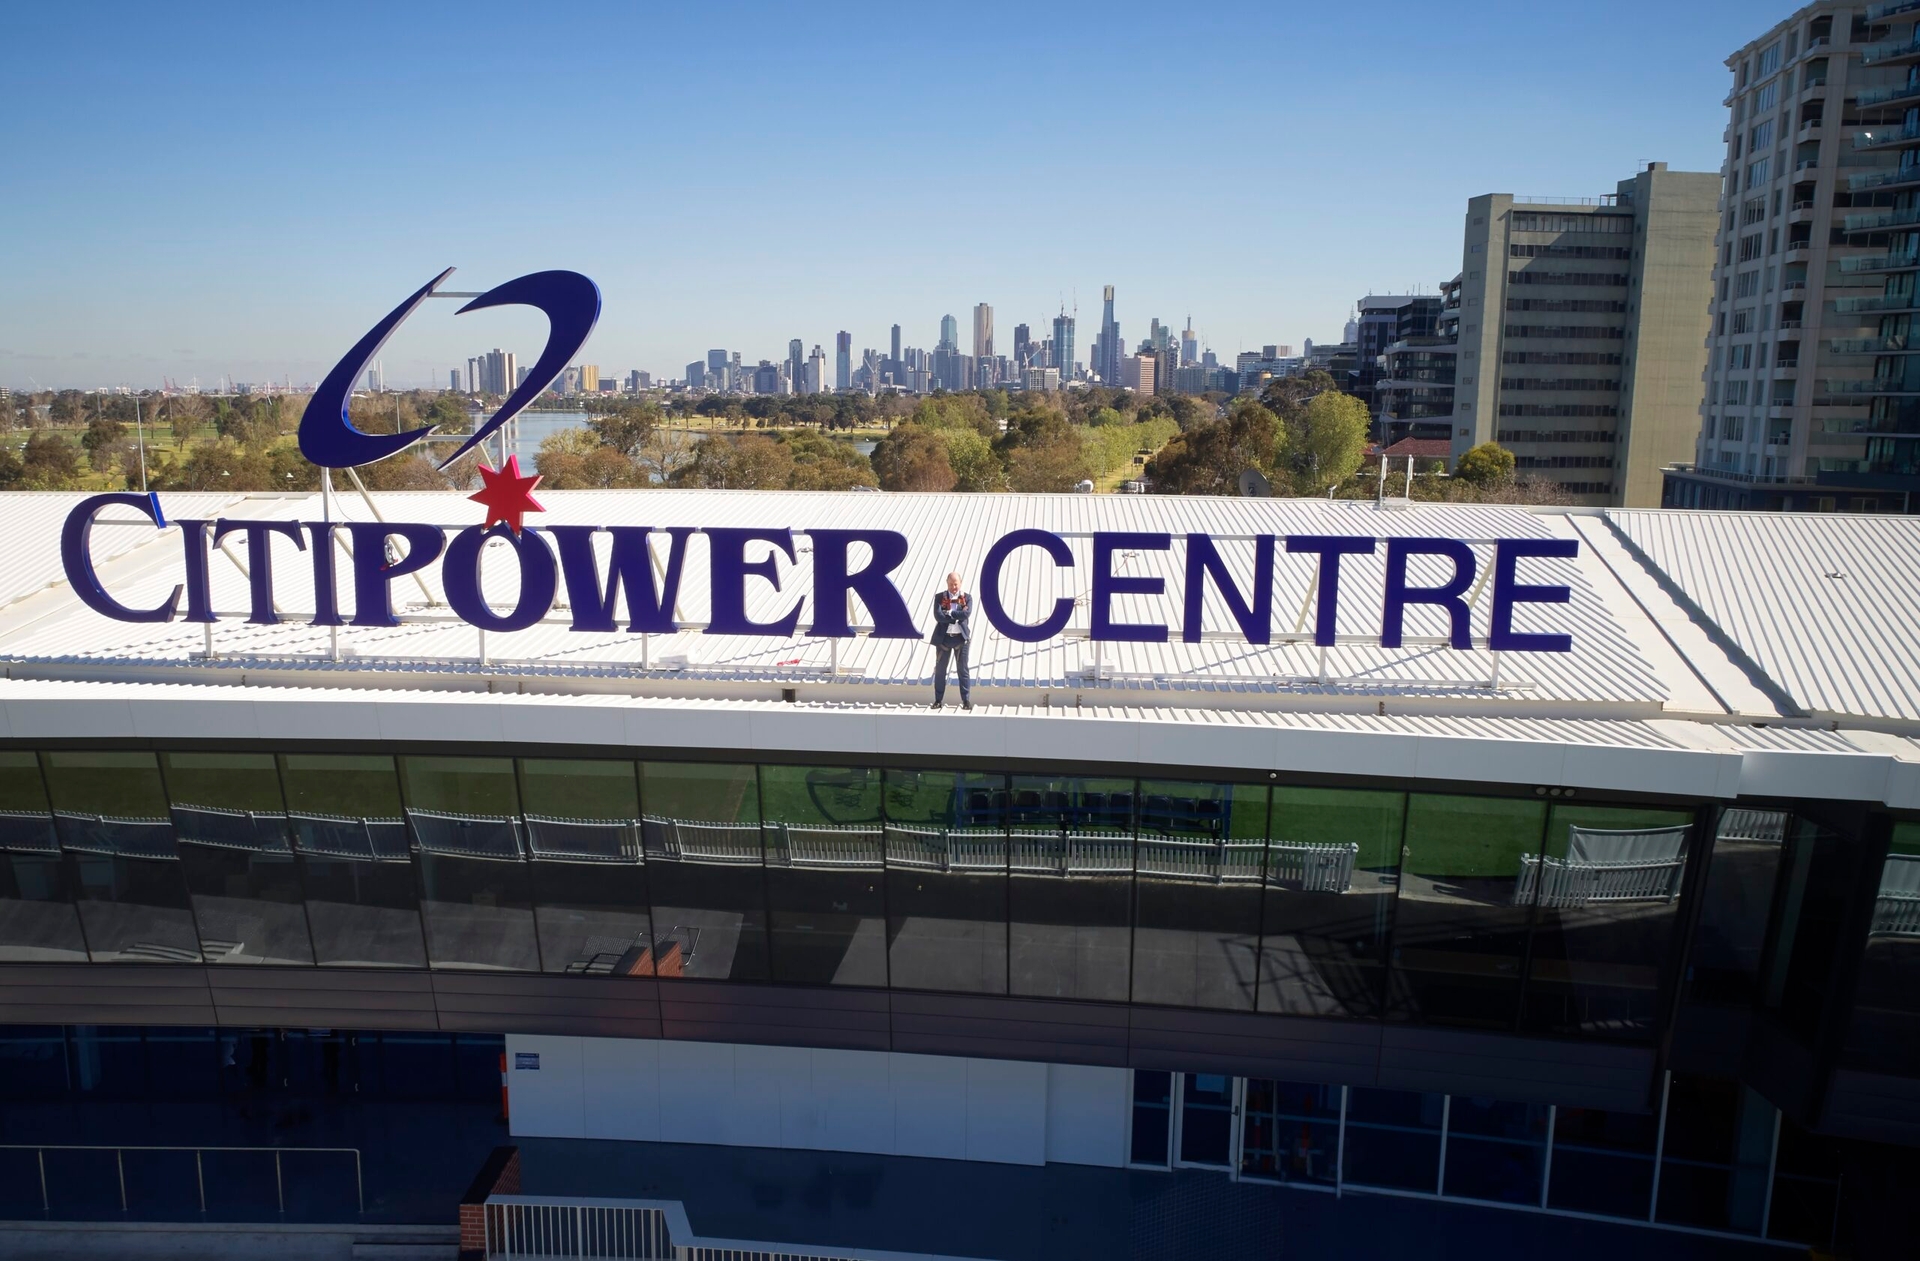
967 705
935 705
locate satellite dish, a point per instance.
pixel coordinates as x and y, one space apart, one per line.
1254 485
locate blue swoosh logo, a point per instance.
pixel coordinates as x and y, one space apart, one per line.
571 303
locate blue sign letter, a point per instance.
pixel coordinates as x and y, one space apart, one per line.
1053 545
260 564
630 566
1330 548
76 555
729 570
372 603
1509 591
1100 623
1203 561
460 576
1447 596
832 583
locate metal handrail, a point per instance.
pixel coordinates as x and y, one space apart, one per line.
199 1172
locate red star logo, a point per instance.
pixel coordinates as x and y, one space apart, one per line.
507 495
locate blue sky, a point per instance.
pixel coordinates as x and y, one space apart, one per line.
199 190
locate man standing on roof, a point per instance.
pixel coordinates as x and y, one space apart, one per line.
952 610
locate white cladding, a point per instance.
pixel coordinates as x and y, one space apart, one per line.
886 1103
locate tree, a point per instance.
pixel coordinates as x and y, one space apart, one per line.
1282 393
49 462
975 466
12 474
1208 460
913 457
1328 443
102 432
65 409
823 463
750 462
1106 416
1485 465
628 429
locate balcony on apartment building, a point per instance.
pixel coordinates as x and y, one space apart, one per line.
1872 346
1898 260
1866 98
1897 177
1885 304
1880 220
1874 387
1892 52
1887 137
1881 12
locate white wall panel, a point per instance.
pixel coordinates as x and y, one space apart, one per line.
622 1077
548 1101
930 1106
856 1104
1007 1112
1086 1115
696 1093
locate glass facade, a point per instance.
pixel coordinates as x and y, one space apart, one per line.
1518 913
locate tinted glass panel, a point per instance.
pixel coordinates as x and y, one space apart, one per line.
1821 866
1152 1118
111 813
1806 1188
1496 1150
1609 893
1460 927
1198 867
826 874
1603 1162
235 849
1724 965
475 890
1206 1119
356 863
1885 1032
1332 868
589 883
701 828
1393 1139
947 881
1290 1132
1713 1172
38 922
1070 886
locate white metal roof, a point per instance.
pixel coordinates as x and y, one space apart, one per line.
1687 629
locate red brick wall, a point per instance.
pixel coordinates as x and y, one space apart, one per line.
499 1176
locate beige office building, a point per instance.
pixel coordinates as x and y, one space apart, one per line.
1137 373
1583 327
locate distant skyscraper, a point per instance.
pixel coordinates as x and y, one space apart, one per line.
982 330
474 372
815 374
1189 346
796 360
896 343
1137 373
1063 345
716 361
1110 349
453 380
843 360
589 378
1022 346
374 382
949 333
696 375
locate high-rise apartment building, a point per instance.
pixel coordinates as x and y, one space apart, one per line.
1413 396
1583 332
1107 364
589 378
896 343
843 360
496 371
1189 346
1384 320
1813 389
982 330
453 380
696 375
949 334
1023 347
1063 345
1137 373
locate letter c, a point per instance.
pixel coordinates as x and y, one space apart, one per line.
76 555
1053 545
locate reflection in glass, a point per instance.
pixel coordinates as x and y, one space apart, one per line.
1070 886
1332 868
1393 1139
1884 1034
826 869
947 881
38 922
1291 1132
1724 965
111 813
465 818
1806 1187
355 860
1821 867
1496 1150
1608 889
1603 1162
1151 1139
1460 925
589 880
1198 866
1713 1167
1206 1119
701 828
232 829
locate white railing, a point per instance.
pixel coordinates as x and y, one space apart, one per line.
538 1228
1070 854
1312 868
1638 865
1214 862
946 849
583 840
1896 911
494 838
688 841
832 848
1768 826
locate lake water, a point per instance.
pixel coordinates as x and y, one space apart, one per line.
536 427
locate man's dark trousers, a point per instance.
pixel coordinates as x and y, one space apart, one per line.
959 654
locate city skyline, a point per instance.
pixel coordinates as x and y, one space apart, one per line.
137 255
